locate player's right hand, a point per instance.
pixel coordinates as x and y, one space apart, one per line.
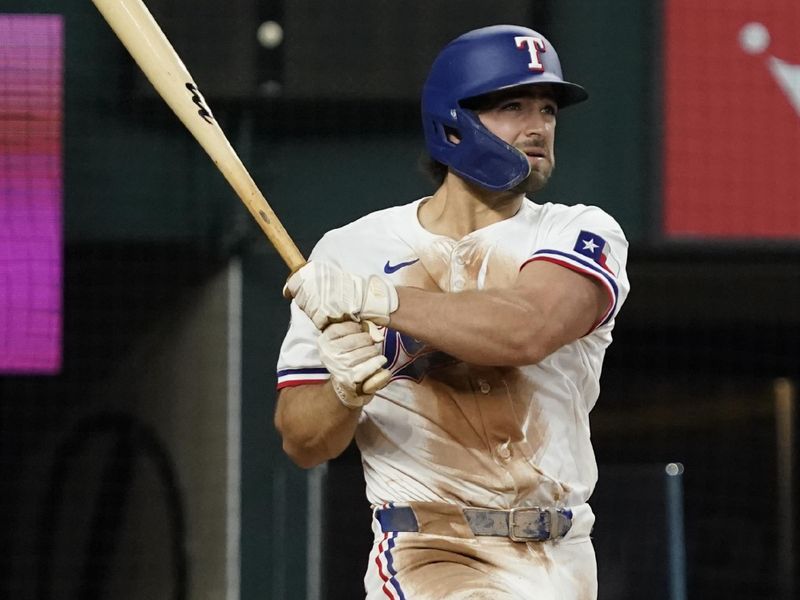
329 295
352 356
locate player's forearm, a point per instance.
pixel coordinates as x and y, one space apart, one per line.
314 425
491 327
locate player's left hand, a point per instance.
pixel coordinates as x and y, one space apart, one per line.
353 357
329 295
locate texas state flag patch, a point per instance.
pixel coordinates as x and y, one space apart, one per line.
595 247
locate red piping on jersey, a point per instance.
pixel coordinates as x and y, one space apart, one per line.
296 382
384 577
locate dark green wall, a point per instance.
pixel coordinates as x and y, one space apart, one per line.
133 172
273 492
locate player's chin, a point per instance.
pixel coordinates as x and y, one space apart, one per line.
534 182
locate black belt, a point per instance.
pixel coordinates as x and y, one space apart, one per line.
523 524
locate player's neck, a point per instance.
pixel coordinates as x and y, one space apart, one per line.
458 208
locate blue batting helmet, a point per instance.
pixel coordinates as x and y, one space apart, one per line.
476 63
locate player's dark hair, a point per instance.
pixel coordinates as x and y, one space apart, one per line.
435 170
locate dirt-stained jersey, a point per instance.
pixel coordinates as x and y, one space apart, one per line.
444 430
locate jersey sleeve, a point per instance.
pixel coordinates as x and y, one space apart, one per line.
591 243
298 361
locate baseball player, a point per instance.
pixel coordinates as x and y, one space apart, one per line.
492 314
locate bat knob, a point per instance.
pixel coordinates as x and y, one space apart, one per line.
376 382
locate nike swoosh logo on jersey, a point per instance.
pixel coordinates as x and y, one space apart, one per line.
389 269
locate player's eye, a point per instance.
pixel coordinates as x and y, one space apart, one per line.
511 106
550 109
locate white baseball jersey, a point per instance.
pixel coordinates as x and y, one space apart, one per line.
447 431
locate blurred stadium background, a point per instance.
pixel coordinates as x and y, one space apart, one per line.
141 315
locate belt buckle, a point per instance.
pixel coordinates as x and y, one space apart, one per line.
541 533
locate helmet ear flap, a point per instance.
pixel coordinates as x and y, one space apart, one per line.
483 158
478 155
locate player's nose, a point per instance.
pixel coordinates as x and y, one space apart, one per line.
536 123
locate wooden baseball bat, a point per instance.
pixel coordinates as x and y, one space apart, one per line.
141 35
152 51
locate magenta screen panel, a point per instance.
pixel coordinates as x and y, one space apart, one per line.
31 117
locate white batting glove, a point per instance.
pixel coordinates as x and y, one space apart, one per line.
352 356
329 295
